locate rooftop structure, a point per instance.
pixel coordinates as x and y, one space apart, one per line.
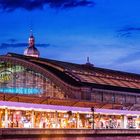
103 88
31 50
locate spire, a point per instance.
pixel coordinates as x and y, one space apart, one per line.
31 29
31 40
31 32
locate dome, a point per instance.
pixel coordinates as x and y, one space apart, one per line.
31 51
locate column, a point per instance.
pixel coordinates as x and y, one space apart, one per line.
32 119
1 118
78 117
6 118
125 122
56 120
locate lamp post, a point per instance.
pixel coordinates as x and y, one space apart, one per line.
93 109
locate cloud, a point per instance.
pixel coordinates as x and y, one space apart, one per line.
127 31
12 40
11 5
134 56
17 45
124 34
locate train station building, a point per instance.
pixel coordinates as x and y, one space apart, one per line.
46 85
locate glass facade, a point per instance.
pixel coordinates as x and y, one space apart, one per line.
17 79
41 119
25 118
110 121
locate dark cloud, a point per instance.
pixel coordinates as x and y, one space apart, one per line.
128 31
42 45
11 5
12 40
17 45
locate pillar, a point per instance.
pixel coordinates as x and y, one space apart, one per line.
1 112
125 122
78 118
32 119
56 120
6 118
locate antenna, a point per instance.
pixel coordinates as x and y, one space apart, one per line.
88 63
31 32
88 59
31 28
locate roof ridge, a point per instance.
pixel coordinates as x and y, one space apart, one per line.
79 65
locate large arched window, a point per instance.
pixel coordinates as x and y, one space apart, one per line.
17 79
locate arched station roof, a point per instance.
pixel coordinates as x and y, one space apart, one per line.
77 76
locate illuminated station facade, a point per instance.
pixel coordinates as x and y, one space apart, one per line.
43 93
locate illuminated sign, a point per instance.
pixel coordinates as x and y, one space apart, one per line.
5 76
21 90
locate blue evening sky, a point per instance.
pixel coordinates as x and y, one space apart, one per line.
108 31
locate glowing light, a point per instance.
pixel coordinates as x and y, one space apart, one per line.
21 90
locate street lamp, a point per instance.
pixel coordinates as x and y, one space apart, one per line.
93 109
